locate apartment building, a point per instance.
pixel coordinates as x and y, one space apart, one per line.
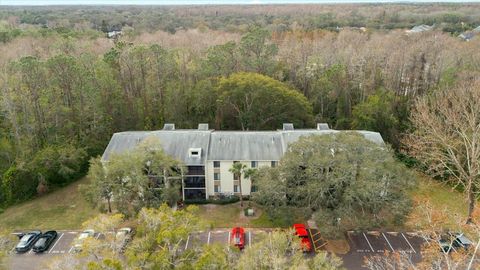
209 154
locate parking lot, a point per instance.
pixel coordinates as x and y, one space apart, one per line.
361 244
221 236
380 242
62 245
377 243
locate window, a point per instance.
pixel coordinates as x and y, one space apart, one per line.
235 188
216 164
216 188
216 176
254 164
236 177
253 188
274 164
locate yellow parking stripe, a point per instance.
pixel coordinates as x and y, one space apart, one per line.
314 241
317 240
310 233
320 246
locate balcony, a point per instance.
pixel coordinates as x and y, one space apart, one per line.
195 170
194 182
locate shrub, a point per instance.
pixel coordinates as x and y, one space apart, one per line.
220 201
18 185
59 165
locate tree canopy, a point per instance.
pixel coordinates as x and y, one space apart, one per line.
158 244
143 177
343 178
250 101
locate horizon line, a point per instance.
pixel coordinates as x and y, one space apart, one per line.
52 3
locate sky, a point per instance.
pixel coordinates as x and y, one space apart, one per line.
198 2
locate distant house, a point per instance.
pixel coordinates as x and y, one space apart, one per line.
467 36
114 34
209 154
420 28
354 28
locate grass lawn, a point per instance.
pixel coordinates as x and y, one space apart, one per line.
62 209
440 197
66 209
221 216
231 215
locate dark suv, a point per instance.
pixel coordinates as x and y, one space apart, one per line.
453 241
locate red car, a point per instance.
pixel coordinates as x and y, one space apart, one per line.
301 231
237 237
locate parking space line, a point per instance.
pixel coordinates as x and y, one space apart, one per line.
370 245
408 243
186 243
70 251
388 242
450 246
98 235
208 240
249 238
311 237
228 241
56 242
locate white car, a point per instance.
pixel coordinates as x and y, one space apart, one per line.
124 236
81 238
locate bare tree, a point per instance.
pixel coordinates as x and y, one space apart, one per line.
446 136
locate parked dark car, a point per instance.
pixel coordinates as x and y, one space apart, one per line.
454 241
44 241
27 241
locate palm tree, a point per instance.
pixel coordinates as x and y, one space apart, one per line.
237 170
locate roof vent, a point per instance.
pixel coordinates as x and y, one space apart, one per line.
169 126
203 126
195 152
287 126
322 126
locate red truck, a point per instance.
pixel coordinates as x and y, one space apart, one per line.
302 233
237 237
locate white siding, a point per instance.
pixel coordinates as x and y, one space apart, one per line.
226 177
209 178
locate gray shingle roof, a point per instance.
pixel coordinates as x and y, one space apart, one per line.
247 145
221 145
420 28
176 143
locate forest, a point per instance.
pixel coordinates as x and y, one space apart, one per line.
65 87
